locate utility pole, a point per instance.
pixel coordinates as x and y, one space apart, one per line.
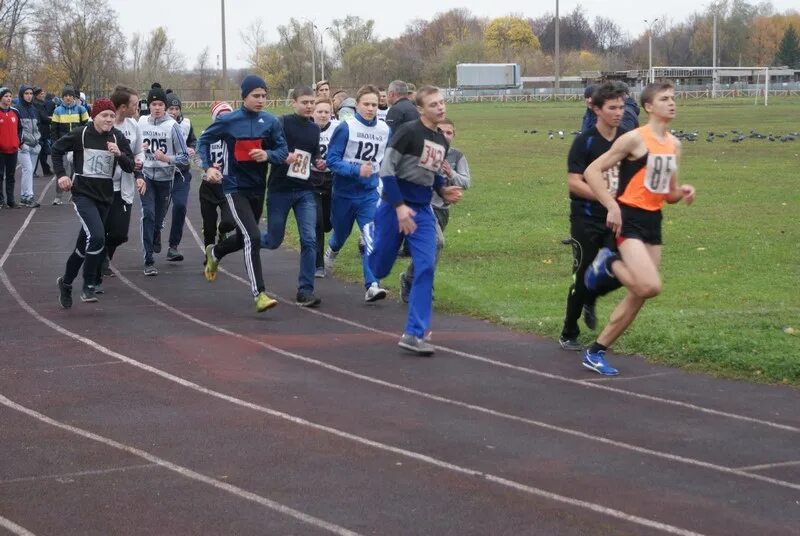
224 53
714 59
557 85
650 74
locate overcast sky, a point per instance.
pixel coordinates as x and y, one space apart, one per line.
195 24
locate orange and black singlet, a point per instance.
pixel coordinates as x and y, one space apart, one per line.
644 183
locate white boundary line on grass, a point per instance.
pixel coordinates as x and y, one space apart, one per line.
449 401
526 370
594 507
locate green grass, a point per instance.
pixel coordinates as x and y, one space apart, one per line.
730 262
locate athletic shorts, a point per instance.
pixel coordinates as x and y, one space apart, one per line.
644 225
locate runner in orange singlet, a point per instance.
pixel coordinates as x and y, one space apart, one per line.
649 159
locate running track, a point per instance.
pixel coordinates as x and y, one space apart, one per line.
170 407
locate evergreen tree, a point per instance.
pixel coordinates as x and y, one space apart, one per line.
789 49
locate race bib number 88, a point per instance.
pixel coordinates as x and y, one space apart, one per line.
660 169
301 167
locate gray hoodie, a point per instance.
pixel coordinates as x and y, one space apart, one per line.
29 118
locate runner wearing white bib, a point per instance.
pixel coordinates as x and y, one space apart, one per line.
321 178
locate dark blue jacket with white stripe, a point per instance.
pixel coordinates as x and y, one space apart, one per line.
241 131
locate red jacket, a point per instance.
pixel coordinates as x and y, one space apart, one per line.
10 131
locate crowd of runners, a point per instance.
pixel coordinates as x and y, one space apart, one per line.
381 159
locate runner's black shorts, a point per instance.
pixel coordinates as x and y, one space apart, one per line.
644 225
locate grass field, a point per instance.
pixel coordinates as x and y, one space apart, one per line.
731 265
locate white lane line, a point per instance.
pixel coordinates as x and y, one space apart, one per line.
78 474
525 370
768 466
422 458
452 402
616 379
183 471
48 370
14 528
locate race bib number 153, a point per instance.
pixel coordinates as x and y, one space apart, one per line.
660 169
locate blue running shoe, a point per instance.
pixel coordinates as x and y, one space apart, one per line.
597 362
597 273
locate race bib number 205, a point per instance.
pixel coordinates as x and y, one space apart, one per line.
660 169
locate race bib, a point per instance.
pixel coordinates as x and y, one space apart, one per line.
432 156
301 167
98 164
612 180
660 169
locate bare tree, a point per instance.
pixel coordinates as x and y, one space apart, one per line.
162 61
254 38
203 69
609 34
13 27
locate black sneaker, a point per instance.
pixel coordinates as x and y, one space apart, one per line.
590 316
306 298
415 344
98 289
150 270
64 294
570 344
106 268
88 294
174 255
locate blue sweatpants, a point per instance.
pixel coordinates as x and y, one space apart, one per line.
422 244
155 203
180 197
344 212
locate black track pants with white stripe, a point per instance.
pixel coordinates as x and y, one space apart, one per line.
246 210
90 246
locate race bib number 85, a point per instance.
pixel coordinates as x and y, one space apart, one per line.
301 167
432 156
660 169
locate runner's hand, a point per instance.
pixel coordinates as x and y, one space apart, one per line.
447 169
113 148
213 175
321 164
366 170
405 219
141 186
65 183
259 155
160 156
451 194
688 193
614 220
291 158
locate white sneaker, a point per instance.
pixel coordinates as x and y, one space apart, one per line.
374 293
328 259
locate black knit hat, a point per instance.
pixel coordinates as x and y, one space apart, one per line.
69 90
173 100
156 94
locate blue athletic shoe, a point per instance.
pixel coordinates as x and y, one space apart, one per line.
597 273
368 235
597 362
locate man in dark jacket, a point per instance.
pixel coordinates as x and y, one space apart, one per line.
40 101
402 110
29 151
630 117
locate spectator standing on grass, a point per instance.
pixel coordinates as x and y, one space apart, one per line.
10 142
66 116
630 119
253 138
289 188
649 160
31 145
589 119
402 109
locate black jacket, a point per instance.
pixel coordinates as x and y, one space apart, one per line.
401 112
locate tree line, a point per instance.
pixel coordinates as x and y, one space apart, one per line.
84 46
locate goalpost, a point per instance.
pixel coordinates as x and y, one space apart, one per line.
746 80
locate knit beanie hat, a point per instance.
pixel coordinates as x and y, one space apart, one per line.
252 82
219 107
156 94
37 90
3 91
101 105
68 90
173 100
